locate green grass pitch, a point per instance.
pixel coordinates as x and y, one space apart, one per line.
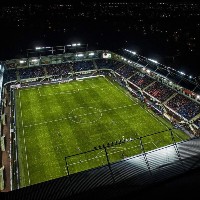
58 120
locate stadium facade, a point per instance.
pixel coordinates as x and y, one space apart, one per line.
165 91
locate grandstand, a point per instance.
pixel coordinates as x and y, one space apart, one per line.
74 113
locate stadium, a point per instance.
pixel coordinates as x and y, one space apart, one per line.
84 120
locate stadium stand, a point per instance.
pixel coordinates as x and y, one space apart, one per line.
83 66
31 72
126 71
159 91
10 75
109 64
184 106
197 123
141 80
59 70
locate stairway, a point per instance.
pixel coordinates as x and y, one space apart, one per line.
195 118
95 64
149 85
173 95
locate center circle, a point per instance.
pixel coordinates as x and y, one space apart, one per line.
85 115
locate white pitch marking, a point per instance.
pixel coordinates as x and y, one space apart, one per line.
67 92
24 139
86 114
154 144
39 91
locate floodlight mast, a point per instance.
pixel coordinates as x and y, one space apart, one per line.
76 46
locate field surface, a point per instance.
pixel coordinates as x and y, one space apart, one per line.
58 120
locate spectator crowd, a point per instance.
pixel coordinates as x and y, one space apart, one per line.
184 106
141 80
160 91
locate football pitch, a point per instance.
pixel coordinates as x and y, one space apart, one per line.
59 120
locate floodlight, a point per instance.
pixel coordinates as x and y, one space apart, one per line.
34 60
91 54
80 55
182 73
148 70
154 61
22 61
73 45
